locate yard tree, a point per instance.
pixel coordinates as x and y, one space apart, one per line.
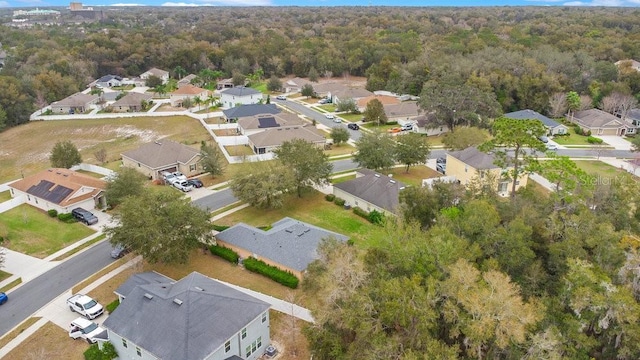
3 118
573 102
179 72
339 135
238 78
313 74
263 184
212 160
558 104
376 151
310 165
162 226
126 182
274 84
411 149
517 137
153 81
374 112
307 90
423 204
463 137
568 179
64 155
347 105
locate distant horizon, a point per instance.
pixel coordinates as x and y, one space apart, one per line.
328 3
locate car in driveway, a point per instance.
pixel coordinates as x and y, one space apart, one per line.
281 97
441 168
196 183
168 178
551 146
179 176
394 130
3 298
82 328
544 139
353 126
324 101
84 216
330 116
183 186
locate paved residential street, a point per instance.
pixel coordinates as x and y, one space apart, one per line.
216 200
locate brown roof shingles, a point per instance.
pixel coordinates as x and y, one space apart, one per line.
162 153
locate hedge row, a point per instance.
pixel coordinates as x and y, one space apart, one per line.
66 218
374 217
225 253
329 197
52 212
594 140
112 305
285 278
220 227
338 201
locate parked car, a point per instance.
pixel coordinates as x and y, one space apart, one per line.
119 251
441 168
281 97
183 185
441 160
353 126
329 116
84 216
179 176
407 127
85 306
337 120
81 328
324 101
196 183
551 146
544 139
168 178
3 298
394 130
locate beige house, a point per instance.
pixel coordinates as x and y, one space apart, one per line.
327 89
186 80
295 84
471 165
384 100
77 103
270 139
349 93
426 124
190 92
162 74
132 102
153 158
371 191
598 122
250 125
61 190
403 112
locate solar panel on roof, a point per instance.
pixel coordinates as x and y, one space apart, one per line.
49 191
267 122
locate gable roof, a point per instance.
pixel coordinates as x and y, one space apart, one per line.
353 93
188 89
406 108
289 242
264 121
145 278
240 91
77 99
108 78
188 319
187 79
298 81
328 87
384 99
162 153
60 186
250 110
596 118
475 158
132 99
427 120
276 136
375 188
633 114
156 72
534 115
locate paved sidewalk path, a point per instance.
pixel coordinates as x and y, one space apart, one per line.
24 266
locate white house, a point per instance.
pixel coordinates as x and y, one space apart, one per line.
239 95
162 74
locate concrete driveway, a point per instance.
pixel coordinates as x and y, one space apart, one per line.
619 143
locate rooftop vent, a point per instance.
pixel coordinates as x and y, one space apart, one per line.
198 288
148 296
402 188
392 181
157 142
376 175
177 301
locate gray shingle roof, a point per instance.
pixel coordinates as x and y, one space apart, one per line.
476 158
145 278
77 99
596 118
250 110
132 99
276 136
289 242
530 114
162 153
240 91
209 314
407 108
377 189
281 120
108 78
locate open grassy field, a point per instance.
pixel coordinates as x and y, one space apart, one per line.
50 342
31 231
26 147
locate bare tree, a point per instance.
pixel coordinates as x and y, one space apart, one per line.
586 102
618 104
101 155
558 105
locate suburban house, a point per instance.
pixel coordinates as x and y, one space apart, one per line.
426 124
384 100
295 84
75 104
371 191
268 140
153 158
598 122
186 80
131 102
225 84
61 190
327 89
195 318
404 112
162 74
472 164
239 95
109 81
349 93
553 127
254 124
635 65
290 244
235 113
188 92
633 121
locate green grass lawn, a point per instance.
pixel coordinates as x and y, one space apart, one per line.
600 169
435 140
573 139
414 176
351 117
343 149
31 231
4 196
4 275
340 179
373 126
328 107
239 150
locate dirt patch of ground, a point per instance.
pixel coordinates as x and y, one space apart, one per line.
226 132
167 107
49 342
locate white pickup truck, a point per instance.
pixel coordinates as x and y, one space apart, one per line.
85 306
82 328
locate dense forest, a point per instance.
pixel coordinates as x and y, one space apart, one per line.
522 55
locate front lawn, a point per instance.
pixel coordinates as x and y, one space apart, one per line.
328 107
31 231
50 342
573 139
343 149
414 176
4 196
381 127
351 117
341 179
600 169
239 150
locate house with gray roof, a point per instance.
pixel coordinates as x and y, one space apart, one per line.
239 95
270 139
109 81
553 127
250 125
371 191
152 158
186 80
131 102
162 74
290 244
241 111
195 318
77 103
139 279
427 124
598 122
349 93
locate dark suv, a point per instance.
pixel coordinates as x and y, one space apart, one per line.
84 216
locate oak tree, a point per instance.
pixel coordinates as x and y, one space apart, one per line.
375 150
125 182
64 155
411 149
263 184
212 160
310 165
339 135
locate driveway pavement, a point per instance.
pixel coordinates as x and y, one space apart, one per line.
618 142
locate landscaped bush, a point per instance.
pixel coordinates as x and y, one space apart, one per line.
108 352
338 201
594 140
360 212
578 130
225 253
52 212
329 197
220 227
285 278
376 217
112 305
66 218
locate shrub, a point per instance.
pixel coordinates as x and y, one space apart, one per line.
329 197
66 218
108 352
52 212
376 217
338 201
594 140
112 305
220 227
225 253
360 212
285 278
578 130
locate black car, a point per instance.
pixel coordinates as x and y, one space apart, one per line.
84 216
353 126
195 183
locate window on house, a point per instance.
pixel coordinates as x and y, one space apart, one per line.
36 199
138 164
264 317
248 351
227 346
254 346
124 342
259 341
244 333
28 198
193 167
138 351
